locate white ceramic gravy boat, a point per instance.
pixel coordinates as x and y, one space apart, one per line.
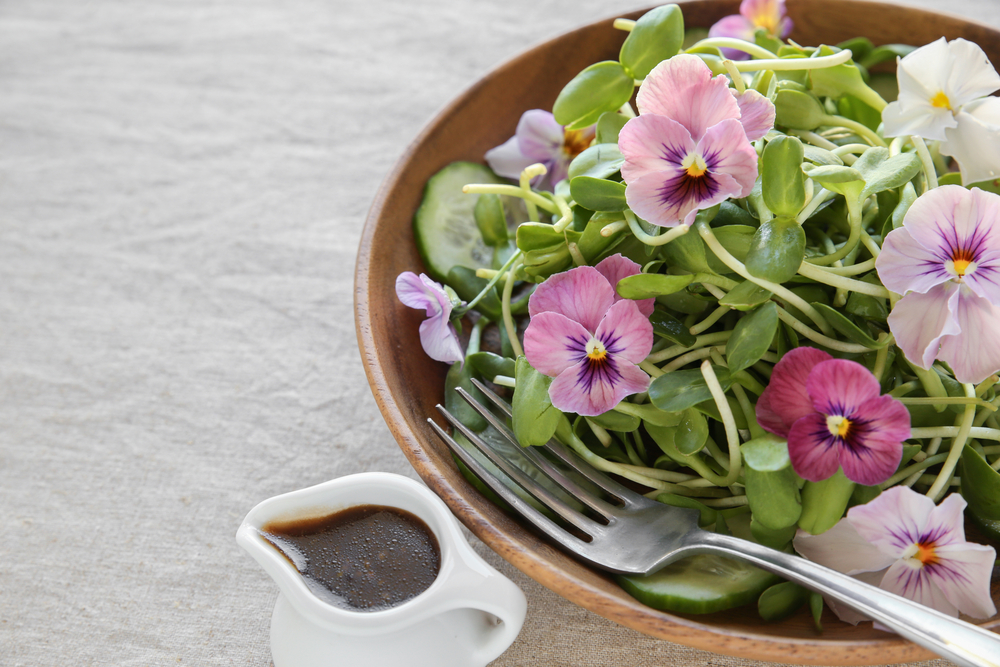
466 618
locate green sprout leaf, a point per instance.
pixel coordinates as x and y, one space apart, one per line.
602 87
656 36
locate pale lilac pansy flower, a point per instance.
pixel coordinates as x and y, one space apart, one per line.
944 90
539 139
903 543
588 338
831 412
437 335
689 148
754 15
945 261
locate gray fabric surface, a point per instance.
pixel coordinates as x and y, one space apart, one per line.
182 190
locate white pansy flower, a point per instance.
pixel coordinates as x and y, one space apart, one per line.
943 95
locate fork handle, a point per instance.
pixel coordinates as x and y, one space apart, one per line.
962 643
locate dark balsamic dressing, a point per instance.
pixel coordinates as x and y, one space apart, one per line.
364 558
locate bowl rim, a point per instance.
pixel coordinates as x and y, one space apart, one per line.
891 649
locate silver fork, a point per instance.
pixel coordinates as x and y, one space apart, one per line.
641 536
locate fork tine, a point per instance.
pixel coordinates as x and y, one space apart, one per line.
543 495
558 476
626 495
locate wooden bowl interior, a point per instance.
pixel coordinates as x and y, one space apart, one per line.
407 384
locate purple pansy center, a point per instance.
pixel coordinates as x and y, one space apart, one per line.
597 353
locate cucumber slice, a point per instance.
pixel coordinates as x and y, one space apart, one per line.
444 226
701 584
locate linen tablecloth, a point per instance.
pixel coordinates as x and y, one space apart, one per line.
182 189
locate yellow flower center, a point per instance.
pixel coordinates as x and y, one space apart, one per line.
575 142
838 426
596 350
695 165
924 553
961 263
941 101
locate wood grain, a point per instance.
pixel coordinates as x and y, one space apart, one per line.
407 384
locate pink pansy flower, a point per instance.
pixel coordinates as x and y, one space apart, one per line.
903 543
539 139
588 339
945 261
832 414
437 335
688 149
754 14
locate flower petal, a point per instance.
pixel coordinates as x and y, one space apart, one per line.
507 160
964 577
974 141
920 321
841 387
683 89
872 454
553 343
974 353
653 144
616 267
539 135
591 389
768 419
842 549
972 74
756 113
905 265
893 521
919 118
440 340
734 26
422 292
625 332
787 389
910 579
581 294
727 151
812 448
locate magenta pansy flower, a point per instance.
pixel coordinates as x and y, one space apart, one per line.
539 139
903 543
945 261
831 412
754 15
437 335
689 148
588 338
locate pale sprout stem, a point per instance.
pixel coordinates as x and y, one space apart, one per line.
508 320
815 139
861 130
852 270
567 215
504 381
778 290
791 64
947 400
940 484
870 245
723 503
707 279
856 221
926 160
815 337
700 341
854 149
714 291
662 475
732 435
602 435
574 252
912 471
624 24
841 282
738 44
881 357
650 368
735 75
650 240
817 200
513 191
527 174
707 323
627 110
685 359
613 228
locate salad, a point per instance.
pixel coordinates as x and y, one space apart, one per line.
753 278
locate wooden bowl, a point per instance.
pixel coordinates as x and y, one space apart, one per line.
407 384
